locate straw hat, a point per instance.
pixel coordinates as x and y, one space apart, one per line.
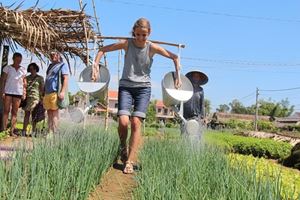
203 77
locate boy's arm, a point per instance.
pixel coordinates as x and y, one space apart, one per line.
112 47
161 51
65 78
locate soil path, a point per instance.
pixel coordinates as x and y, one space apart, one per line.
10 144
115 185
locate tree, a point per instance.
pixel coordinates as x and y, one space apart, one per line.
273 109
223 108
266 108
151 112
78 96
207 106
238 108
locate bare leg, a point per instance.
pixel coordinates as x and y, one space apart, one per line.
14 112
55 120
135 137
55 115
26 122
34 127
6 109
50 120
123 133
123 129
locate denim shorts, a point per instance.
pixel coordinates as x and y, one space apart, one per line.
138 97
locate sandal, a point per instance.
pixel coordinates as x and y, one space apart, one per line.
128 169
123 154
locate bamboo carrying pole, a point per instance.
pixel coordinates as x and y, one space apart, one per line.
154 41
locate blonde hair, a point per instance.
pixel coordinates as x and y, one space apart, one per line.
141 23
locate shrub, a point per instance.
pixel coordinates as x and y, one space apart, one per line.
267 148
266 126
238 124
249 125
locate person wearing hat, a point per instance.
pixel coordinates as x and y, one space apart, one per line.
194 108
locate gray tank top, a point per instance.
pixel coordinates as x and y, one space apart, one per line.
136 72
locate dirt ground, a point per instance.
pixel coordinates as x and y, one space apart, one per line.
115 185
9 144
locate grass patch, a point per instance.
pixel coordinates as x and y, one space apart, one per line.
175 169
164 132
3 134
258 147
66 167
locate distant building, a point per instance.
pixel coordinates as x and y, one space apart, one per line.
163 112
112 103
290 120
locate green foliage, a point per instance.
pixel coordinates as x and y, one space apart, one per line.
248 125
153 125
223 108
238 124
238 108
66 167
151 112
266 126
267 108
266 168
149 131
178 169
3 134
77 96
207 107
250 146
172 124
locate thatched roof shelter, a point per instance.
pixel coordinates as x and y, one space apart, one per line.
38 31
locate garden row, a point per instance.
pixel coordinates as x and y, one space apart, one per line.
267 148
66 167
187 171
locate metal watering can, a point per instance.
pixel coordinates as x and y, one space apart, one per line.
175 98
96 89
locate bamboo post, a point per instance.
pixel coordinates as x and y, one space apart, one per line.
86 35
154 41
107 111
256 110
